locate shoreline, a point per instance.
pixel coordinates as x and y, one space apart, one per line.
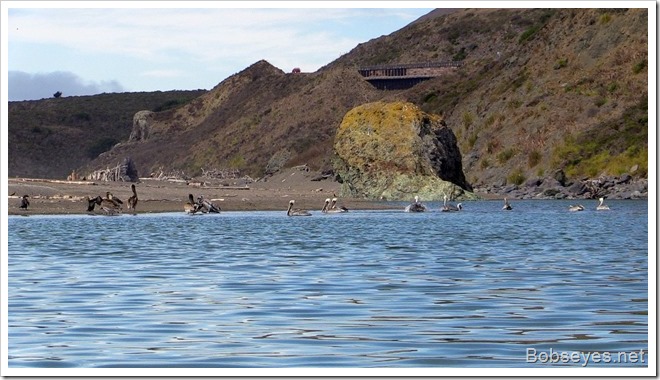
52 196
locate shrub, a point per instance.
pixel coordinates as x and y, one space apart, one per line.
534 158
528 34
639 66
506 155
516 177
561 63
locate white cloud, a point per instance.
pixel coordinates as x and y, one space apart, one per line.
25 86
179 48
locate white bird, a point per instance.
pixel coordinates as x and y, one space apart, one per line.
602 205
507 205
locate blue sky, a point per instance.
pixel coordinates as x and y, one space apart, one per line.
147 46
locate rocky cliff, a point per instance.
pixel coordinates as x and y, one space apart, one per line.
394 150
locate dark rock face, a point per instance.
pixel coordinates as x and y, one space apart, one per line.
621 187
396 151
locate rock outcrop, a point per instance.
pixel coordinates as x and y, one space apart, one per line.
395 151
142 121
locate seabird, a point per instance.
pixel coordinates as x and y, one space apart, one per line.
207 206
109 205
447 207
25 202
296 211
334 208
416 206
507 205
602 205
191 207
133 200
575 208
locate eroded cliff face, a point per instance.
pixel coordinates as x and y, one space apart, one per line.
395 151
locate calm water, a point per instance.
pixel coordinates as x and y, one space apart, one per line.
479 288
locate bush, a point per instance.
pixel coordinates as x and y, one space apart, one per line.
534 158
516 177
639 66
506 155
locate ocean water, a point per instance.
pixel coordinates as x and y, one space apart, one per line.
478 288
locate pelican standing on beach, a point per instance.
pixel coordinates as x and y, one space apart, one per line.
416 206
296 211
133 199
25 202
191 207
507 205
110 206
207 206
601 205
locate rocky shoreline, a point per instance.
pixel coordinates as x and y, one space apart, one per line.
558 187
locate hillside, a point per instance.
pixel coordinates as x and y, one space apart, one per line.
539 90
51 137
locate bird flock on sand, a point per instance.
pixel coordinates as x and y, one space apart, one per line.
111 205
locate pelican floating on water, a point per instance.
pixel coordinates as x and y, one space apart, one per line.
133 199
602 205
416 206
335 208
448 207
575 208
507 205
296 211
25 202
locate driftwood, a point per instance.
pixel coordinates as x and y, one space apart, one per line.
125 172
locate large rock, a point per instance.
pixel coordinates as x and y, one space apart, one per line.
142 121
395 151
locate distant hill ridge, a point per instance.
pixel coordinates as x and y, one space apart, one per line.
538 90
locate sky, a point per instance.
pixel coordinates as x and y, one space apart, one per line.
151 46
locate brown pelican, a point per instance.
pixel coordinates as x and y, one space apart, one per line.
575 208
333 206
109 205
507 205
25 202
133 200
91 203
416 206
207 206
111 197
296 211
191 207
448 207
602 205
325 206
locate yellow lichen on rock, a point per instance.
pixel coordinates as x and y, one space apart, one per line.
394 150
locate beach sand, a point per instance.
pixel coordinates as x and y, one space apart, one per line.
68 197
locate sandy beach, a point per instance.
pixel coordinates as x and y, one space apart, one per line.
49 196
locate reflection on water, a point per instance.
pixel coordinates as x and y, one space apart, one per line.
362 289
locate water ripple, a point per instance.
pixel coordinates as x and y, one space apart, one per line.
363 289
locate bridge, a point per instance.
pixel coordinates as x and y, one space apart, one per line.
404 76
